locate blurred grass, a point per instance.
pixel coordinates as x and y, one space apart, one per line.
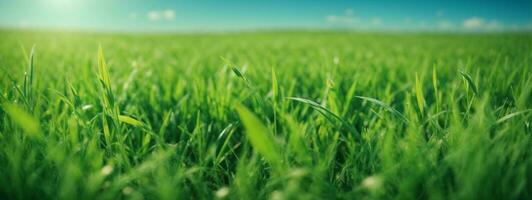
201 116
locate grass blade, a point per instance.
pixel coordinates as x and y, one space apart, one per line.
326 112
385 106
259 136
129 120
435 85
435 81
235 70
419 95
512 115
102 69
31 70
22 118
470 82
275 87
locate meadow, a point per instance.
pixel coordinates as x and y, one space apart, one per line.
265 115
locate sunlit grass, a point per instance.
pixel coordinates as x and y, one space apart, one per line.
295 115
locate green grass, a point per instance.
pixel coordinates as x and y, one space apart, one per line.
265 115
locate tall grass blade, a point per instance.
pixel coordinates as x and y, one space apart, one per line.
470 82
385 106
107 99
435 86
259 136
102 69
275 87
326 112
435 81
419 95
129 120
275 91
22 118
235 70
31 69
511 115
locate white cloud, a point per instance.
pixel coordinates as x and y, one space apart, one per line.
156 15
473 23
477 23
376 21
347 18
341 19
444 24
331 18
168 14
350 20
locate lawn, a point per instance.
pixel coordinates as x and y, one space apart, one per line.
265 115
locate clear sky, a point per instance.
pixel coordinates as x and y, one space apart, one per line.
219 15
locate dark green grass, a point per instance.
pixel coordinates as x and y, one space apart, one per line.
295 115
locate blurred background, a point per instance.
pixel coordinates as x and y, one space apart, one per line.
246 15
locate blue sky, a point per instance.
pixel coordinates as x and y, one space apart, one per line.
211 15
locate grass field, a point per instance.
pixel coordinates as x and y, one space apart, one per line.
265 115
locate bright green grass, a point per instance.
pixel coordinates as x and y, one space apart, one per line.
294 115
